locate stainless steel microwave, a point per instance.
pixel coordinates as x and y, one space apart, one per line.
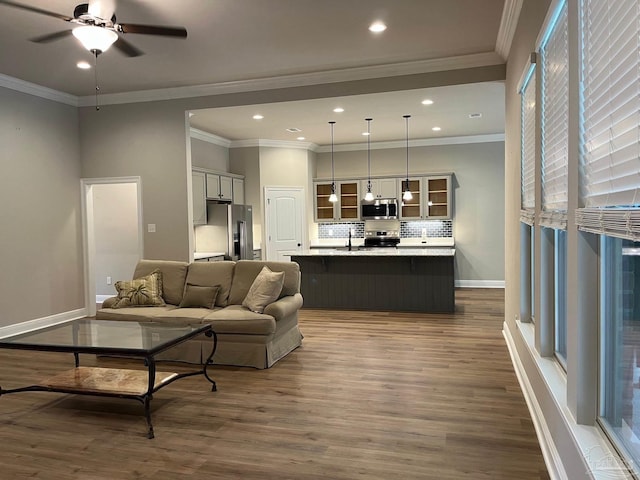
379 209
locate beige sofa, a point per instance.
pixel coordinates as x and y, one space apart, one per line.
245 338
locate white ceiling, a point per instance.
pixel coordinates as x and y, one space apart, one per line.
249 40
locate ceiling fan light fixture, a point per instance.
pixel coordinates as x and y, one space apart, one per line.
95 39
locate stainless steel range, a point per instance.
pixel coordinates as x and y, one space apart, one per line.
381 233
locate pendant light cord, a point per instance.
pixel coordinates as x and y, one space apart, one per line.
333 182
406 122
368 153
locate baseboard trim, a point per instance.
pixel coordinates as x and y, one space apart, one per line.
30 325
550 453
479 283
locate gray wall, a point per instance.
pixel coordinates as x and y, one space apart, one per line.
146 140
209 155
478 195
40 211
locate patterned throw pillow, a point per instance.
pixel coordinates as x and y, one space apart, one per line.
265 289
140 292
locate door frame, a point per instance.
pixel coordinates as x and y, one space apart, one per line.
88 228
267 227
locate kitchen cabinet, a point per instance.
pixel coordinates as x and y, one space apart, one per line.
411 209
349 200
238 191
219 187
198 189
438 197
381 187
346 208
431 198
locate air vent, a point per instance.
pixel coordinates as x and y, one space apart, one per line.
475 115
293 130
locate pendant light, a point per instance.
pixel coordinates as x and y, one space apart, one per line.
368 196
333 197
406 196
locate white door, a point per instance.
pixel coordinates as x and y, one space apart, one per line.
285 222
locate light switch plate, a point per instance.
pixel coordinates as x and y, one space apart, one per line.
151 228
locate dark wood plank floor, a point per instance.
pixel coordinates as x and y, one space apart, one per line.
368 396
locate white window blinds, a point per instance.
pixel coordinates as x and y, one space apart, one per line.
555 115
611 111
527 147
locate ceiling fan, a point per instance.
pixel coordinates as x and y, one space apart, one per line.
94 24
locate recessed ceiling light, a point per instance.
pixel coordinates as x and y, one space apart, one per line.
475 115
366 134
293 130
258 117
436 129
83 65
377 27
427 101
300 138
338 110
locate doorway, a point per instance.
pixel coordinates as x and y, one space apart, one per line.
113 235
285 222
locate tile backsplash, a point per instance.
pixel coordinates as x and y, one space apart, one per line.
408 229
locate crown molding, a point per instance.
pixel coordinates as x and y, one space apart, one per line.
209 137
424 142
38 90
508 25
298 80
274 143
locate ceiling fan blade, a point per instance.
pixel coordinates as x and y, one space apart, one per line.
50 37
36 10
126 48
153 30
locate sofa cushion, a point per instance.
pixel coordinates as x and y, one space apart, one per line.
140 292
246 271
213 273
199 296
237 319
174 275
134 314
265 289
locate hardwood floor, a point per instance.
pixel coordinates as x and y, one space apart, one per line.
368 396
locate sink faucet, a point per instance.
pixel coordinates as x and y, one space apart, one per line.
349 244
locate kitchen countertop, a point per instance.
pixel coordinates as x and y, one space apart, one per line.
404 242
201 255
379 252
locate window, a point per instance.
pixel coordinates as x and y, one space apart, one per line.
620 342
527 187
560 294
610 192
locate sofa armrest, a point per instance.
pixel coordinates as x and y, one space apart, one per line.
284 306
108 303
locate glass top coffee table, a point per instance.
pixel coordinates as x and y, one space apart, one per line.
142 340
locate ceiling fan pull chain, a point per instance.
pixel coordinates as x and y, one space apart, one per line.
96 77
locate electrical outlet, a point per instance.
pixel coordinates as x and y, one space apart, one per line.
151 228
108 280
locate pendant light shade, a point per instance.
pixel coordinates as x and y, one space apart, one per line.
369 195
333 198
407 195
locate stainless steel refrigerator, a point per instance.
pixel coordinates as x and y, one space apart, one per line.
233 233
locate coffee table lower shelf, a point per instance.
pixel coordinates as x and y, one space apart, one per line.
106 381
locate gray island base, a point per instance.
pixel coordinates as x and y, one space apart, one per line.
416 280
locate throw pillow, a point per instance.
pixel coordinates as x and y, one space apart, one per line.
265 289
140 292
199 296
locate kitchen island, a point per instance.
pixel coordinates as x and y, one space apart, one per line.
381 279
